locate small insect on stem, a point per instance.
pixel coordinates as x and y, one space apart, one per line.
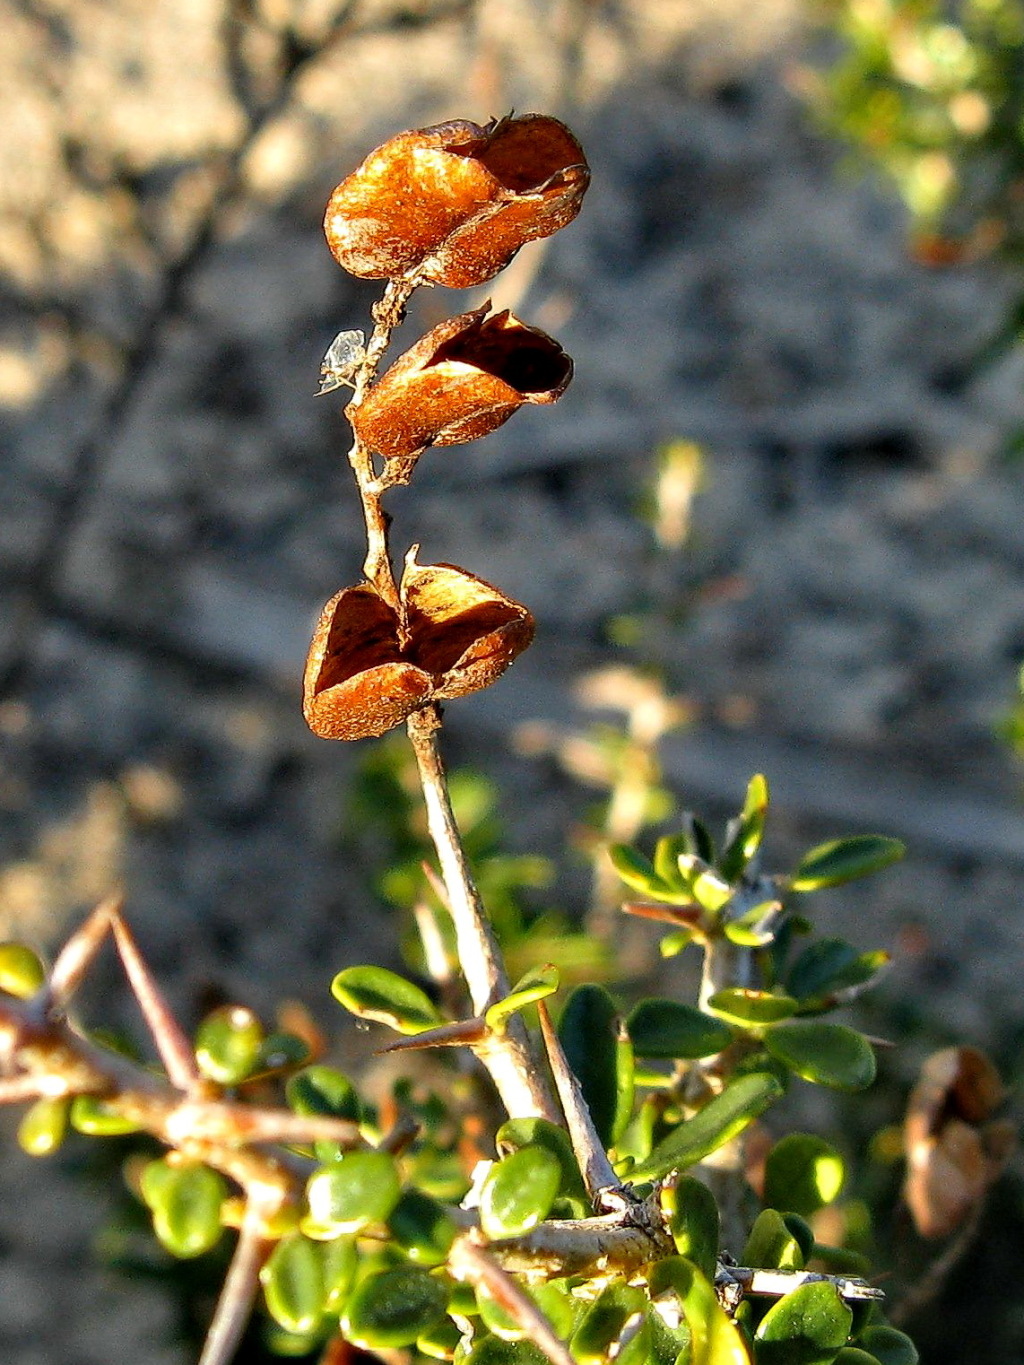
341 362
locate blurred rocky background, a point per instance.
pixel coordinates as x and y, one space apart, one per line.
847 614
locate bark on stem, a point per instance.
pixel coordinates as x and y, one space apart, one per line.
506 1054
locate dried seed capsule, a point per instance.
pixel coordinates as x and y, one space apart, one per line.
455 202
360 680
462 380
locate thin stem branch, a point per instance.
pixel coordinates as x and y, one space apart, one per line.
507 1054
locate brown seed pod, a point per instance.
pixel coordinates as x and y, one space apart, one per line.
953 1155
456 201
462 380
360 681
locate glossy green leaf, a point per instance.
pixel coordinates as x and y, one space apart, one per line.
802 1232
756 927
698 838
517 1133
441 1341
888 1345
828 968
340 1261
293 1284
843 860
667 852
603 1321
828 1054
362 1188
589 1032
653 1342
638 872
494 1351
185 1200
375 993
806 1327
669 1028
747 831
705 886
802 1173
751 1009
21 970
853 1355
537 984
771 1245
99 1119
327 1092
228 1043
393 1307
519 1191
691 1215
673 944
722 1118
714 1337
421 1227
282 1051
44 1126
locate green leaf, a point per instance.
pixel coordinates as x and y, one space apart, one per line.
668 1028
802 1173
394 1307
673 944
888 1345
21 971
362 1188
703 884
747 831
603 1321
714 1337
293 1284
691 1216
441 1341
517 1133
806 1327
589 1033
228 1043
282 1051
698 838
843 860
340 1261
756 927
519 1191
537 984
375 993
185 1200
853 1355
802 1232
828 968
421 1227
638 872
828 1054
666 859
325 1092
722 1118
771 1245
44 1126
494 1351
99 1119
751 1009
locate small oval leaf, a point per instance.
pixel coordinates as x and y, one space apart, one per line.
361 1188
603 1321
537 984
44 1126
802 1174
517 1133
589 1033
691 1215
421 1227
293 1284
843 860
387 998
21 970
186 1201
668 1028
228 1043
888 1345
771 1244
808 1326
722 1118
519 1191
393 1307
99 1119
827 1054
751 1009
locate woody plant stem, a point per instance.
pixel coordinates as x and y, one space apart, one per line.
506 1053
